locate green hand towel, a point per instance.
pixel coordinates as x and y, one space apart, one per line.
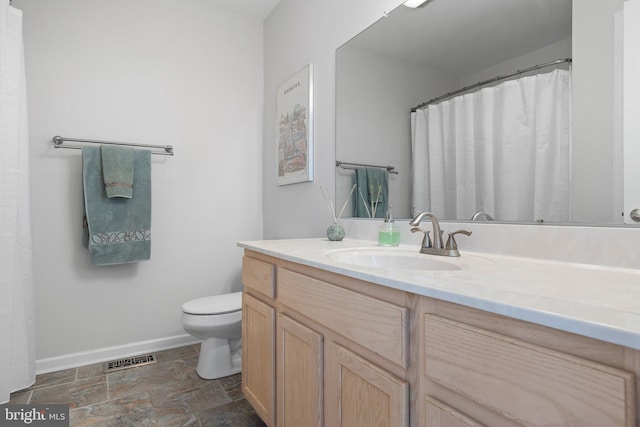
117 230
117 168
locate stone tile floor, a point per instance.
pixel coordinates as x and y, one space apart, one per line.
167 393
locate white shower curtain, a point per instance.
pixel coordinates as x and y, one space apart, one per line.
503 150
17 317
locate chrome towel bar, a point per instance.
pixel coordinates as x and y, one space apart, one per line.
348 165
165 150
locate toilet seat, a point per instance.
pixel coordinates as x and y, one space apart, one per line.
216 304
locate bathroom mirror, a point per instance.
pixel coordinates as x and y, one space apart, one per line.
412 55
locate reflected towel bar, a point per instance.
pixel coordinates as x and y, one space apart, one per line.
352 166
167 150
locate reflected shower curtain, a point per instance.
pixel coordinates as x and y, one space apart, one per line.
17 316
503 150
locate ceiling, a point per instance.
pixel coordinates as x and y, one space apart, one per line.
462 36
257 8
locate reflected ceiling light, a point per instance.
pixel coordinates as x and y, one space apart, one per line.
414 3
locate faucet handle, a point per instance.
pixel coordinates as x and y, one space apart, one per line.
426 240
451 241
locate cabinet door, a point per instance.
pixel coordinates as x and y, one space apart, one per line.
299 367
440 415
258 370
360 394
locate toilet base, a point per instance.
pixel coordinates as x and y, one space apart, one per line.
219 358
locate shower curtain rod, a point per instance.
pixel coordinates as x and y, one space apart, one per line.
167 150
484 82
347 165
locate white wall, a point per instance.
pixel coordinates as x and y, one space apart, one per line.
297 33
150 71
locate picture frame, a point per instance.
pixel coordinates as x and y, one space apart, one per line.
294 128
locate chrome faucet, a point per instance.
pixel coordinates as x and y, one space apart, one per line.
437 233
437 247
480 214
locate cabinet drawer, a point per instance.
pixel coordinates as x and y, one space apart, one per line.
377 325
258 276
526 383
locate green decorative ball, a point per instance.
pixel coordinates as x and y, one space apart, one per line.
335 232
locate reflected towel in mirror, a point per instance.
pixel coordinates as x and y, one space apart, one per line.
372 193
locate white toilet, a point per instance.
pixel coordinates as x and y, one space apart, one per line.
217 321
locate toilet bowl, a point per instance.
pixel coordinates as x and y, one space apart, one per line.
217 321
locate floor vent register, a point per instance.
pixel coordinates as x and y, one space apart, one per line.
129 362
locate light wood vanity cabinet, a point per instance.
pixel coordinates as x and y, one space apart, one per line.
341 353
321 349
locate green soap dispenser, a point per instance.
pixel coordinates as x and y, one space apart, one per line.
389 235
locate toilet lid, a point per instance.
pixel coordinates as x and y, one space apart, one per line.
216 304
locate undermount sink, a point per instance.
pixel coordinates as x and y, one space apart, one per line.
391 258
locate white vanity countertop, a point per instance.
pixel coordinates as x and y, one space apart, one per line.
598 302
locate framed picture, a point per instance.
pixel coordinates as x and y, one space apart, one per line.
294 136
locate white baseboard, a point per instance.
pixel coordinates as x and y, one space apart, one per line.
100 355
